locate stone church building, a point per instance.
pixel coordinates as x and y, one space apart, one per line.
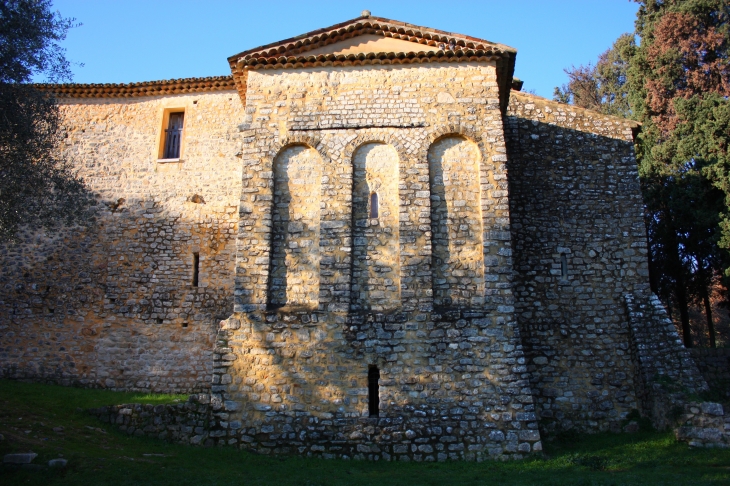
364 242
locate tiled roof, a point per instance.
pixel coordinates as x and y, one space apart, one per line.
364 59
368 25
146 88
291 53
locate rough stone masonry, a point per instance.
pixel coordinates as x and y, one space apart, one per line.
368 246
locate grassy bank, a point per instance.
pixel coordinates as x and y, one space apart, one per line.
100 455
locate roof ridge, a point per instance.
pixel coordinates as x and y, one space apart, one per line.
362 25
139 83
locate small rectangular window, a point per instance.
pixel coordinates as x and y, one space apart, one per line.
196 268
374 206
373 391
173 136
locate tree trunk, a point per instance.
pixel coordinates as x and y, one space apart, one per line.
680 289
681 294
708 314
652 273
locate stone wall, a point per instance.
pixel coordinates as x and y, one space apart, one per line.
453 382
183 423
456 223
579 245
703 424
359 222
113 304
295 246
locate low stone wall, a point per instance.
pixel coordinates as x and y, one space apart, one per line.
704 425
191 423
699 424
714 364
183 423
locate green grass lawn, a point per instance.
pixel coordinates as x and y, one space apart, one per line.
100 455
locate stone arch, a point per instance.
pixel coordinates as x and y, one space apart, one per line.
386 136
466 131
457 256
376 246
295 231
299 139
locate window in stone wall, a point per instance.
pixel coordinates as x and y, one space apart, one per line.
375 281
373 391
563 266
171 141
374 205
196 268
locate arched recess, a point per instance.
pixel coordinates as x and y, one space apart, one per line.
295 256
456 222
376 246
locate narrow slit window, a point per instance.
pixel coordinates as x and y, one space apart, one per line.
373 391
173 136
563 266
374 208
196 268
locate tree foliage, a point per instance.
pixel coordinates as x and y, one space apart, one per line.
37 186
602 87
679 81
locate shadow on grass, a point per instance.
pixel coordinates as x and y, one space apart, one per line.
100 455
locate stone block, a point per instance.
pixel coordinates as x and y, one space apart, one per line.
19 458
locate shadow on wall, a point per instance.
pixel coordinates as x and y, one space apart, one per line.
300 380
114 304
579 246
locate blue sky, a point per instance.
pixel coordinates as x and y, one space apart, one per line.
143 40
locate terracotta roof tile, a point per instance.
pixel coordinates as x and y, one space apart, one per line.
145 88
291 53
368 25
364 59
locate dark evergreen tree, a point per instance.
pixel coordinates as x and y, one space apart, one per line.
679 80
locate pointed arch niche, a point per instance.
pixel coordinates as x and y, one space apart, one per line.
456 222
294 273
376 245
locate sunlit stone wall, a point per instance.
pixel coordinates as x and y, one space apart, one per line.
112 303
427 141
